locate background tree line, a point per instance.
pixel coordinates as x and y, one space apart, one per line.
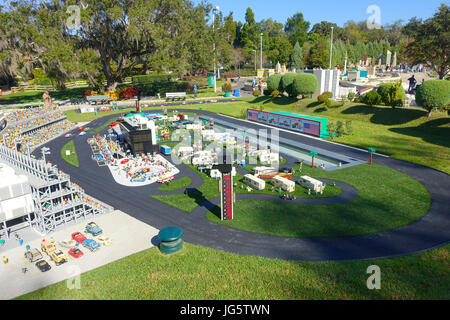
116 38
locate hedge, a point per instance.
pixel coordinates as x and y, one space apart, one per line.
372 98
392 94
304 84
151 78
434 94
273 83
286 83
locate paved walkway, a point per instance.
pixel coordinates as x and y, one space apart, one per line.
428 232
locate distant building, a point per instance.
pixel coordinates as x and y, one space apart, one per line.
139 134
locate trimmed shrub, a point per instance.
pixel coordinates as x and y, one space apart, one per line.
392 94
286 83
275 94
151 78
256 93
267 92
324 97
434 94
273 83
372 98
328 103
305 84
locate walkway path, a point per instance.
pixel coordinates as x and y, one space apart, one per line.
426 233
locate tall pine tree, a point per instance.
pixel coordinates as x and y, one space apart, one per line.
297 57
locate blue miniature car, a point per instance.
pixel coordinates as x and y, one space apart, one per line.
91 244
93 229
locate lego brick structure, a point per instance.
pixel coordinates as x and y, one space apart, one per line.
57 201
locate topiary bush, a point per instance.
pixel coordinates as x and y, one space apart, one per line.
392 94
351 96
256 93
267 92
305 84
286 84
372 98
328 103
434 94
324 97
273 83
275 94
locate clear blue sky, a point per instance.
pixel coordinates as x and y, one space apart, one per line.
337 11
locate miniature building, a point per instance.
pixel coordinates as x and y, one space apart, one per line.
254 182
328 81
310 183
263 170
57 201
214 173
139 134
283 183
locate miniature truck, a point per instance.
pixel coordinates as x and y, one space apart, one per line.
55 254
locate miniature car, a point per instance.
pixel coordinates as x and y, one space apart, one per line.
68 244
68 135
58 257
93 229
80 128
82 133
43 266
33 255
78 237
289 197
76 253
91 244
47 247
104 240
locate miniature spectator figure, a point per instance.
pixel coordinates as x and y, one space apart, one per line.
47 99
260 86
412 83
24 270
27 247
309 192
5 260
195 91
2 242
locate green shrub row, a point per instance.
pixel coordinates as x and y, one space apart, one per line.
293 84
151 79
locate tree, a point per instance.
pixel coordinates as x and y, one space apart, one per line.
340 128
431 41
319 55
297 58
434 94
324 29
304 84
297 29
250 16
331 128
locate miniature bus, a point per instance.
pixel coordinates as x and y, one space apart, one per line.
283 183
165 150
310 183
254 182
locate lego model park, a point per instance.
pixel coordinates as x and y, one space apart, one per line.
165 176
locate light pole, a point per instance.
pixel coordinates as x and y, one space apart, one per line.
261 50
331 45
215 9
45 151
255 60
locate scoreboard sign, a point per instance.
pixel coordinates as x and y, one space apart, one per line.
285 122
227 196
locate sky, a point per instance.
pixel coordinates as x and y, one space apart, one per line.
337 11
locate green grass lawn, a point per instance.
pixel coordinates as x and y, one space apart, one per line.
72 159
36 96
201 273
103 126
387 199
176 185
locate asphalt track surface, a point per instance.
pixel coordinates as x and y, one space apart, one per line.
431 231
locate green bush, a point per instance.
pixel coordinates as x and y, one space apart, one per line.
151 78
324 97
392 94
267 92
286 83
305 84
273 83
328 103
351 96
40 82
275 94
372 98
256 93
226 87
434 94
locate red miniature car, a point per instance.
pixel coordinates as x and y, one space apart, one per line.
78 237
80 129
76 253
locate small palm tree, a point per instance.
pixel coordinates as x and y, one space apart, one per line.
371 151
313 154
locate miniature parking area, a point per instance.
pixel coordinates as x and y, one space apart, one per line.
127 236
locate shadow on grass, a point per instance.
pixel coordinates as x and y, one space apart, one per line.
434 131
281 101
387 116
320 110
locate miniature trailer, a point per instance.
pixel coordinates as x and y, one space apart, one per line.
310 183
283 183
254 182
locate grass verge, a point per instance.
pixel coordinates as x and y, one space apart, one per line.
71 159
176 185
199 273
